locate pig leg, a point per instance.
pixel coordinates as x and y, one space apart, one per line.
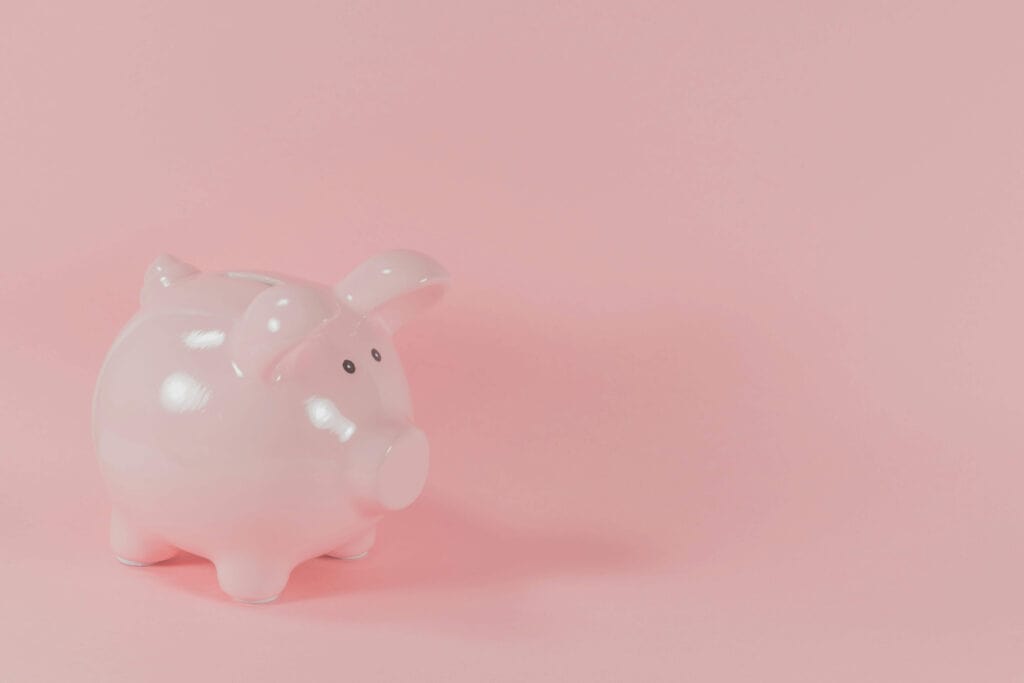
356 547
135 548
252 580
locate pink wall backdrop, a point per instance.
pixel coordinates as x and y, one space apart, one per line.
728 386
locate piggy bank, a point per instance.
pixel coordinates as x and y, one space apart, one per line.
259 420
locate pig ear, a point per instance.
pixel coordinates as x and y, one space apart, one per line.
163 273
394 285
278 320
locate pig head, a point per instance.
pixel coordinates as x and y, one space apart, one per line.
337 343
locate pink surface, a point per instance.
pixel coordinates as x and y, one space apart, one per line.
727 386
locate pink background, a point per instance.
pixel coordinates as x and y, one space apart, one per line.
728 387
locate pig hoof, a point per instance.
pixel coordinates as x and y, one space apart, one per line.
357 548
133 563
356 557
252 581
264 601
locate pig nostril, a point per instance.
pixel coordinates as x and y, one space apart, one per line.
403 472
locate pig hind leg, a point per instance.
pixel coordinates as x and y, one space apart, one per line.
137 548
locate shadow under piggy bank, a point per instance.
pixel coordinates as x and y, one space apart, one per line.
435 546
436 564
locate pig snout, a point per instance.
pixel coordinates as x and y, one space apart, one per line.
403 472
391 467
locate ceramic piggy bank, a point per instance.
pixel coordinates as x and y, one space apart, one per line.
259 420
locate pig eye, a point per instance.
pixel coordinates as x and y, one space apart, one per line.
349 366
376 354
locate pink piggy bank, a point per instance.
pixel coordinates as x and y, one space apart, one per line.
259 420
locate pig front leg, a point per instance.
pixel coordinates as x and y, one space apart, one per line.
357 547
136 548
252 579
